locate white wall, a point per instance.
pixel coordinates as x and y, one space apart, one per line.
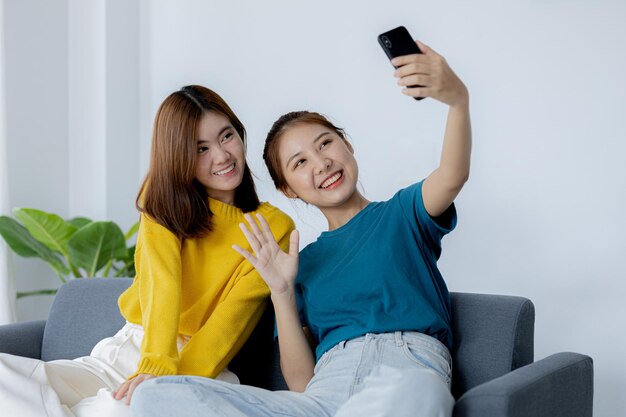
72 117
35 40
541 215
7 281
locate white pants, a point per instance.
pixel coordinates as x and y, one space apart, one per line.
75 388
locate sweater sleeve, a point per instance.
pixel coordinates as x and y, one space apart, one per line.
212 348
159 270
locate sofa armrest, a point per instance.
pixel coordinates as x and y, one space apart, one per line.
560 385
22 339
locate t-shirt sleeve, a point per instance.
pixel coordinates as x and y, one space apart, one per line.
431 229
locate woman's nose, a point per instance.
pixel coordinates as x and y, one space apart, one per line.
220 155
323 164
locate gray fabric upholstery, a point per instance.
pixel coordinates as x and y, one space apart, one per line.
493 335
23 339
493 341
84 312
560 385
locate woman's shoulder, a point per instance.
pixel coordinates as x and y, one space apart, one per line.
149 224
274 215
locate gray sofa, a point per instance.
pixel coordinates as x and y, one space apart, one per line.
494 373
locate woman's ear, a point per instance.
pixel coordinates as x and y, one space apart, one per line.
288 192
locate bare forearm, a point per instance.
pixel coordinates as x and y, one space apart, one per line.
444 183
296 358
457 146
279 270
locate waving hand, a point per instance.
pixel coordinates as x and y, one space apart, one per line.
277 268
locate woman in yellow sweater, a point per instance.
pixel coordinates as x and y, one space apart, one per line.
194 301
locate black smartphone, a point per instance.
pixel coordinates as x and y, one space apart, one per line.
398 42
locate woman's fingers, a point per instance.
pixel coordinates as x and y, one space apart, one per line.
131 389
417 92
251 238
265 227
416 79
403 60
261 240
427 50
413 68
250 257
429 75
121 390
294 243
135 383
254 227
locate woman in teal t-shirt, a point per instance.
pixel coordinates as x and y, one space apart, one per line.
363 313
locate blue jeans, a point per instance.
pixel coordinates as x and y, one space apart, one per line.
400 373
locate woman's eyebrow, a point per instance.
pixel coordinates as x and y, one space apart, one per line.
320 136
291 157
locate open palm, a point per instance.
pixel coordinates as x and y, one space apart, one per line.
277 268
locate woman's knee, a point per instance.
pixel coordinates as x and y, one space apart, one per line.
424 392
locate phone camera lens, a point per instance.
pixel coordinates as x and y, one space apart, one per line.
386 42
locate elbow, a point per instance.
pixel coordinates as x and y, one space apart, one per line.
296 387
296 382
464 179
453 177
455 182
462 176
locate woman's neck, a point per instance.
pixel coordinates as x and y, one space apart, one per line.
340 215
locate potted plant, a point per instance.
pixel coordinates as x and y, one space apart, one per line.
73 248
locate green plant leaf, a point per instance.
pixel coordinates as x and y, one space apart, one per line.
18 238
133 229
36 292
95 244
79 221
128 268
23 244
129 255
48 228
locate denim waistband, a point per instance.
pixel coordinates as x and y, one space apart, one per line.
399 337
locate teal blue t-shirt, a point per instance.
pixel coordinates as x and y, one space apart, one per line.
377 273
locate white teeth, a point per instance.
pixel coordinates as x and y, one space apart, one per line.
226 170
331 180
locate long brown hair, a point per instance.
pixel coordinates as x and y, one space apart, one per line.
284 122
170 194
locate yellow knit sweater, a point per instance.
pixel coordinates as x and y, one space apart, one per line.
200 288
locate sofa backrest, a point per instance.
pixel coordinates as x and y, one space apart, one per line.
84 312
493 334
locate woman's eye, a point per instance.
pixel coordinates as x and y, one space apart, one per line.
324 143
300 162
202 149
227 137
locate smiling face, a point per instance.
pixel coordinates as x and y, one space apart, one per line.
220 158
318 165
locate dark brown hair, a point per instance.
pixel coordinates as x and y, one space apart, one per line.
280 126
170 194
